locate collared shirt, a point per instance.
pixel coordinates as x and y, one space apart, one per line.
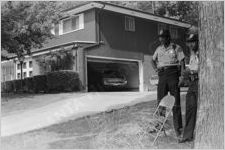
170 56
194 62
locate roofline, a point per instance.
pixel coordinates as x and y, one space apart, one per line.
35 53
141 11
79 5
127 11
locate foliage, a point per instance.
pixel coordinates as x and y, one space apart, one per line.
58 81
181 10
27 25
55 61
40 83
64 80
140 5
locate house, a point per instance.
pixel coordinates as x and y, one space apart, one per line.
102 35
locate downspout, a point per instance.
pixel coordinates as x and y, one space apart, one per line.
99 24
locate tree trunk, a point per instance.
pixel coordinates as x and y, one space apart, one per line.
210 116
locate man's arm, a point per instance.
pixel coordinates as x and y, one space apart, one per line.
154 65
153 61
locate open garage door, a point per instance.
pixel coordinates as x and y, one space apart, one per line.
112 75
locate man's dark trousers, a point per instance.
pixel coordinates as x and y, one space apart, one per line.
168 82
191 110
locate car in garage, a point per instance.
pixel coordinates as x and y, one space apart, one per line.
114 79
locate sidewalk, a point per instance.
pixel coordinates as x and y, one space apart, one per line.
89 103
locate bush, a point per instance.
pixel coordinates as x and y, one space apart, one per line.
28 84
64 80
7 86
40 83
16 85
58 81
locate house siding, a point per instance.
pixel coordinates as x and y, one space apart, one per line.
86 34
8 71
139 45
109 27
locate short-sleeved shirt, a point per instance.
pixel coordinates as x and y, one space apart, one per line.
194 62
170 56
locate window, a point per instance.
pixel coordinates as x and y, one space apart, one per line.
161 26
173 32
18 66
129 23
30 64
24 74
18 75
24 65
70 24
30 73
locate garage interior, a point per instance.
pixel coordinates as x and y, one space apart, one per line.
97 70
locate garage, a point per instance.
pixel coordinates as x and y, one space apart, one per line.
112 75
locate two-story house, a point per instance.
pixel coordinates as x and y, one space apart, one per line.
101 34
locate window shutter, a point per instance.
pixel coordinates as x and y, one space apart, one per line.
57 29
81 21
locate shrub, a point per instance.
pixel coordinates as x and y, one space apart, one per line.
16 85
40 83
7 86
58 81
64 80
28 84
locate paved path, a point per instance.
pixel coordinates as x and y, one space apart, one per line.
72 107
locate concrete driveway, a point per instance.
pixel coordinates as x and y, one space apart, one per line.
72 107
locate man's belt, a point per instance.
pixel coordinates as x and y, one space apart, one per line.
161 69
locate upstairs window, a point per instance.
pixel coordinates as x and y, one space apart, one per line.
173 32
71 24
129 24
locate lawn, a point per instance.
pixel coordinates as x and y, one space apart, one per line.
16 103
123 128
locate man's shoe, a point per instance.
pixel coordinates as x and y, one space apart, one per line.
184 140
178 134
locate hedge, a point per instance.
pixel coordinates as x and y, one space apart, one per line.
28 84
58 81
64 80
40 83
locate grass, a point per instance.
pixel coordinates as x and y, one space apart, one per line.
123 128
14 103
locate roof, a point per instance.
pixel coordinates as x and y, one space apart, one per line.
45 50
114 8
127 11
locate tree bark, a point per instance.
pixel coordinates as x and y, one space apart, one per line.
210 115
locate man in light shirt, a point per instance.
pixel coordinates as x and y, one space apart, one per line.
167 61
